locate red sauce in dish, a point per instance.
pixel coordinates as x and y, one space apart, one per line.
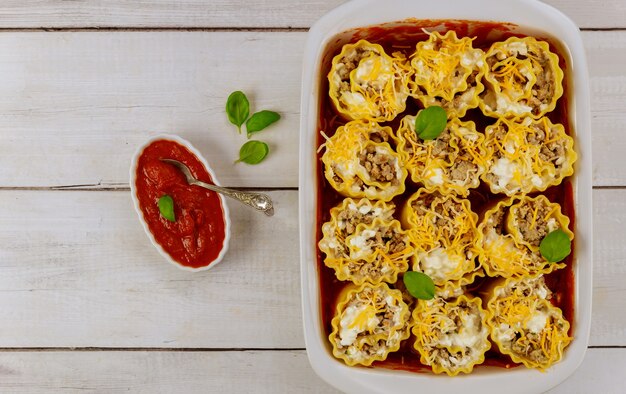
197 236
403 38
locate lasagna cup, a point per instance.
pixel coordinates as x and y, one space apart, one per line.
443 230
451 336
363 243
370 322
502 252
522 78
525 325
366 83
360 162
453 162
531 219
447 72
526 155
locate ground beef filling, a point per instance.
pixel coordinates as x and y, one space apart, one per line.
532 230
352 218
385 237
542 91
442 355
351 61
380 166
461 169
446 212
385 327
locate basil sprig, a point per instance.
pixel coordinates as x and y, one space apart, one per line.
261 120
237 108
166 207
253 152
431 122
419 285
555 246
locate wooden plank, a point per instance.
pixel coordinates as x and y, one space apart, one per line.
237 13
242 372
75 106
159 372
78 271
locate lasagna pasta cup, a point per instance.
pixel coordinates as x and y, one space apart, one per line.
502 252
363 243
525 325
526 155
370 322
531 219
360 162
453 162
447 72
451 336
443 231
366 83
522 78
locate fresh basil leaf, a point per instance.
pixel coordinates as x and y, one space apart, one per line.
166 207
420 285
253 152
431 122
555 246
261 120
237 108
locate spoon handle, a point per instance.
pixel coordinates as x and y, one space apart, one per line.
259 201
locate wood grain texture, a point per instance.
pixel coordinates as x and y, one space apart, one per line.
233 14
76 105
159 372
78 271
220 372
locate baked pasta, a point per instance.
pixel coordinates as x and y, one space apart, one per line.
360 162
370 322
526 155
510 233
451 336
443 231
366 83
525 325
453 162
447 72
531 219
522 78
363 243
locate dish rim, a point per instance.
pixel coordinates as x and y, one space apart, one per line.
133 192
528 15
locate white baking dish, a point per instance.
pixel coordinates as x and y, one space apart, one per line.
533 18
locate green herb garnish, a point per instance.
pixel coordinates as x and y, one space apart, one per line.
261 120
237 108
431 122
420 285
253 152
555 246
166 207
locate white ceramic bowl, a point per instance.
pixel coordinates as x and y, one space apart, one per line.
532 17
133 193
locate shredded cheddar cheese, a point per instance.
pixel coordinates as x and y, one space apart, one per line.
366 83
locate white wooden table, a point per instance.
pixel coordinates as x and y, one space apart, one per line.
87 305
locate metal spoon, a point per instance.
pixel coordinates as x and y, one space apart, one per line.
259 201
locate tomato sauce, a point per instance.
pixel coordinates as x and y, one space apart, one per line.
197 236
404 37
